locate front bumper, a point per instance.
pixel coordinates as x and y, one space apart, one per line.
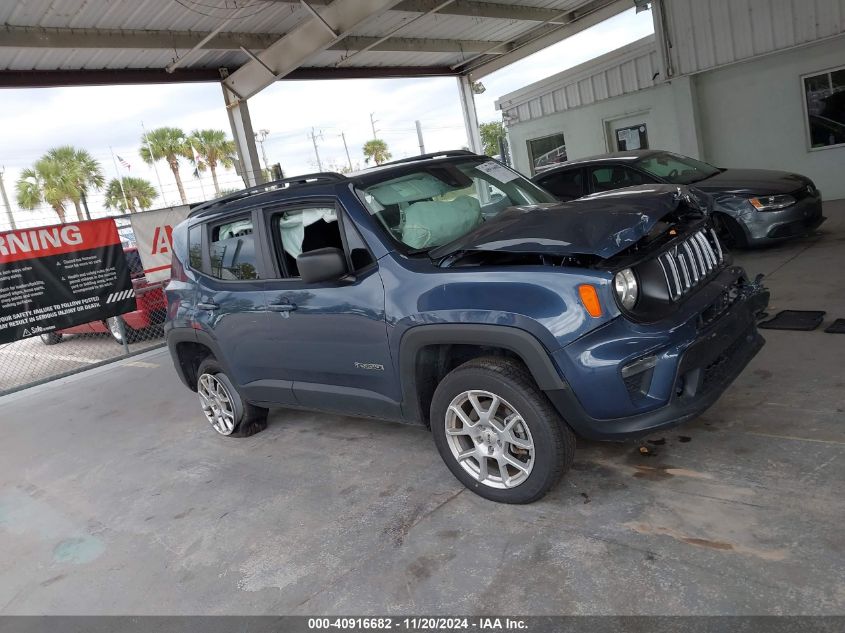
695 364
764 227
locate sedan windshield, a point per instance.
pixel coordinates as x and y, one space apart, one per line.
676 169
434 204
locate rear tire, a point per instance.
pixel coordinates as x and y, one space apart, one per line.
51 338
223 406
515 454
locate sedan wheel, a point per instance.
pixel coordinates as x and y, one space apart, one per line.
489 439
216 403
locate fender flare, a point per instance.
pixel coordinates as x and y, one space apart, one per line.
522 343
186 335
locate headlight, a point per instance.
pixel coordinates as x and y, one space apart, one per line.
625 284
772 203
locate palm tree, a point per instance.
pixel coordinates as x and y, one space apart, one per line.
376 150
44 182
168 143
82 172
130 194
213 148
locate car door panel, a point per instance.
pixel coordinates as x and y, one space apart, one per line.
330 339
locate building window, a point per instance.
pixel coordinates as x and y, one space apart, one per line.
825 95
546 152
631 137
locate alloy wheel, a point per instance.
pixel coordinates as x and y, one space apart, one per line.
489 439
216 403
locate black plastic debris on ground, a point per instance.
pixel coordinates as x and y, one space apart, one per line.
804 320
837 327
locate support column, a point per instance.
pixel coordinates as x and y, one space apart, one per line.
470 116
687 116
241 124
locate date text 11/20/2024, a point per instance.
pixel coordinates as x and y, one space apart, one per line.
418 624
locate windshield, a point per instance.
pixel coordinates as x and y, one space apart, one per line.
678 170
438 203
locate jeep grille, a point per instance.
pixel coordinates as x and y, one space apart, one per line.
690 262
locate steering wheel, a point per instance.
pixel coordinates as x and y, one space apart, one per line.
672 174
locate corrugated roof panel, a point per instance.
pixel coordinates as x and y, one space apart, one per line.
259 16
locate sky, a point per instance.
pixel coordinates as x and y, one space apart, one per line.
103 119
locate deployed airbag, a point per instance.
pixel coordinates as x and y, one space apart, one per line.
432 223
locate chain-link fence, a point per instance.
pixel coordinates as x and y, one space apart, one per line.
37 359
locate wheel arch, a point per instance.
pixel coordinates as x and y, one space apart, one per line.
189 348
428 352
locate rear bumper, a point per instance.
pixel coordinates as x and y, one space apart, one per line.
694 374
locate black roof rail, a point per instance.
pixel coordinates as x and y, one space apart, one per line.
446 154
284 183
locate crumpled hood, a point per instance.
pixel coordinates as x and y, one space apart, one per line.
602 224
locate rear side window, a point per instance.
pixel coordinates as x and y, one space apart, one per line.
232 251
195 247
566 185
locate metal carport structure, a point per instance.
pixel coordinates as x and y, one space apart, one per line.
247 45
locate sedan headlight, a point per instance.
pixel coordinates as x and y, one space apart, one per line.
627 291
772 203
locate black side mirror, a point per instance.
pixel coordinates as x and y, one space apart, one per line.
322 264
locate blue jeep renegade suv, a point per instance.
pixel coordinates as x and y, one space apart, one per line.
449 291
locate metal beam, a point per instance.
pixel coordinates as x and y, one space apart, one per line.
30 37
470 116
413 44
128 76
482 10
542 37
108 77
307 38
248 166
25 37
472 8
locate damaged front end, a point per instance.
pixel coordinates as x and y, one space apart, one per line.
688 325
658 241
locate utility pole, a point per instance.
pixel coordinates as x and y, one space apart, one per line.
420 138
6 200
348 159
261 136
314 136
373 125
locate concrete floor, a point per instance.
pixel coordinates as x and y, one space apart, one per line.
116 498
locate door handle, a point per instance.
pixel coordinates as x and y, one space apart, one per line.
282 307
208 306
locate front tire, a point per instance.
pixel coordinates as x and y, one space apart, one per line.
498 433
223 406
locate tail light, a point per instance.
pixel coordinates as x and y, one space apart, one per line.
177 270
